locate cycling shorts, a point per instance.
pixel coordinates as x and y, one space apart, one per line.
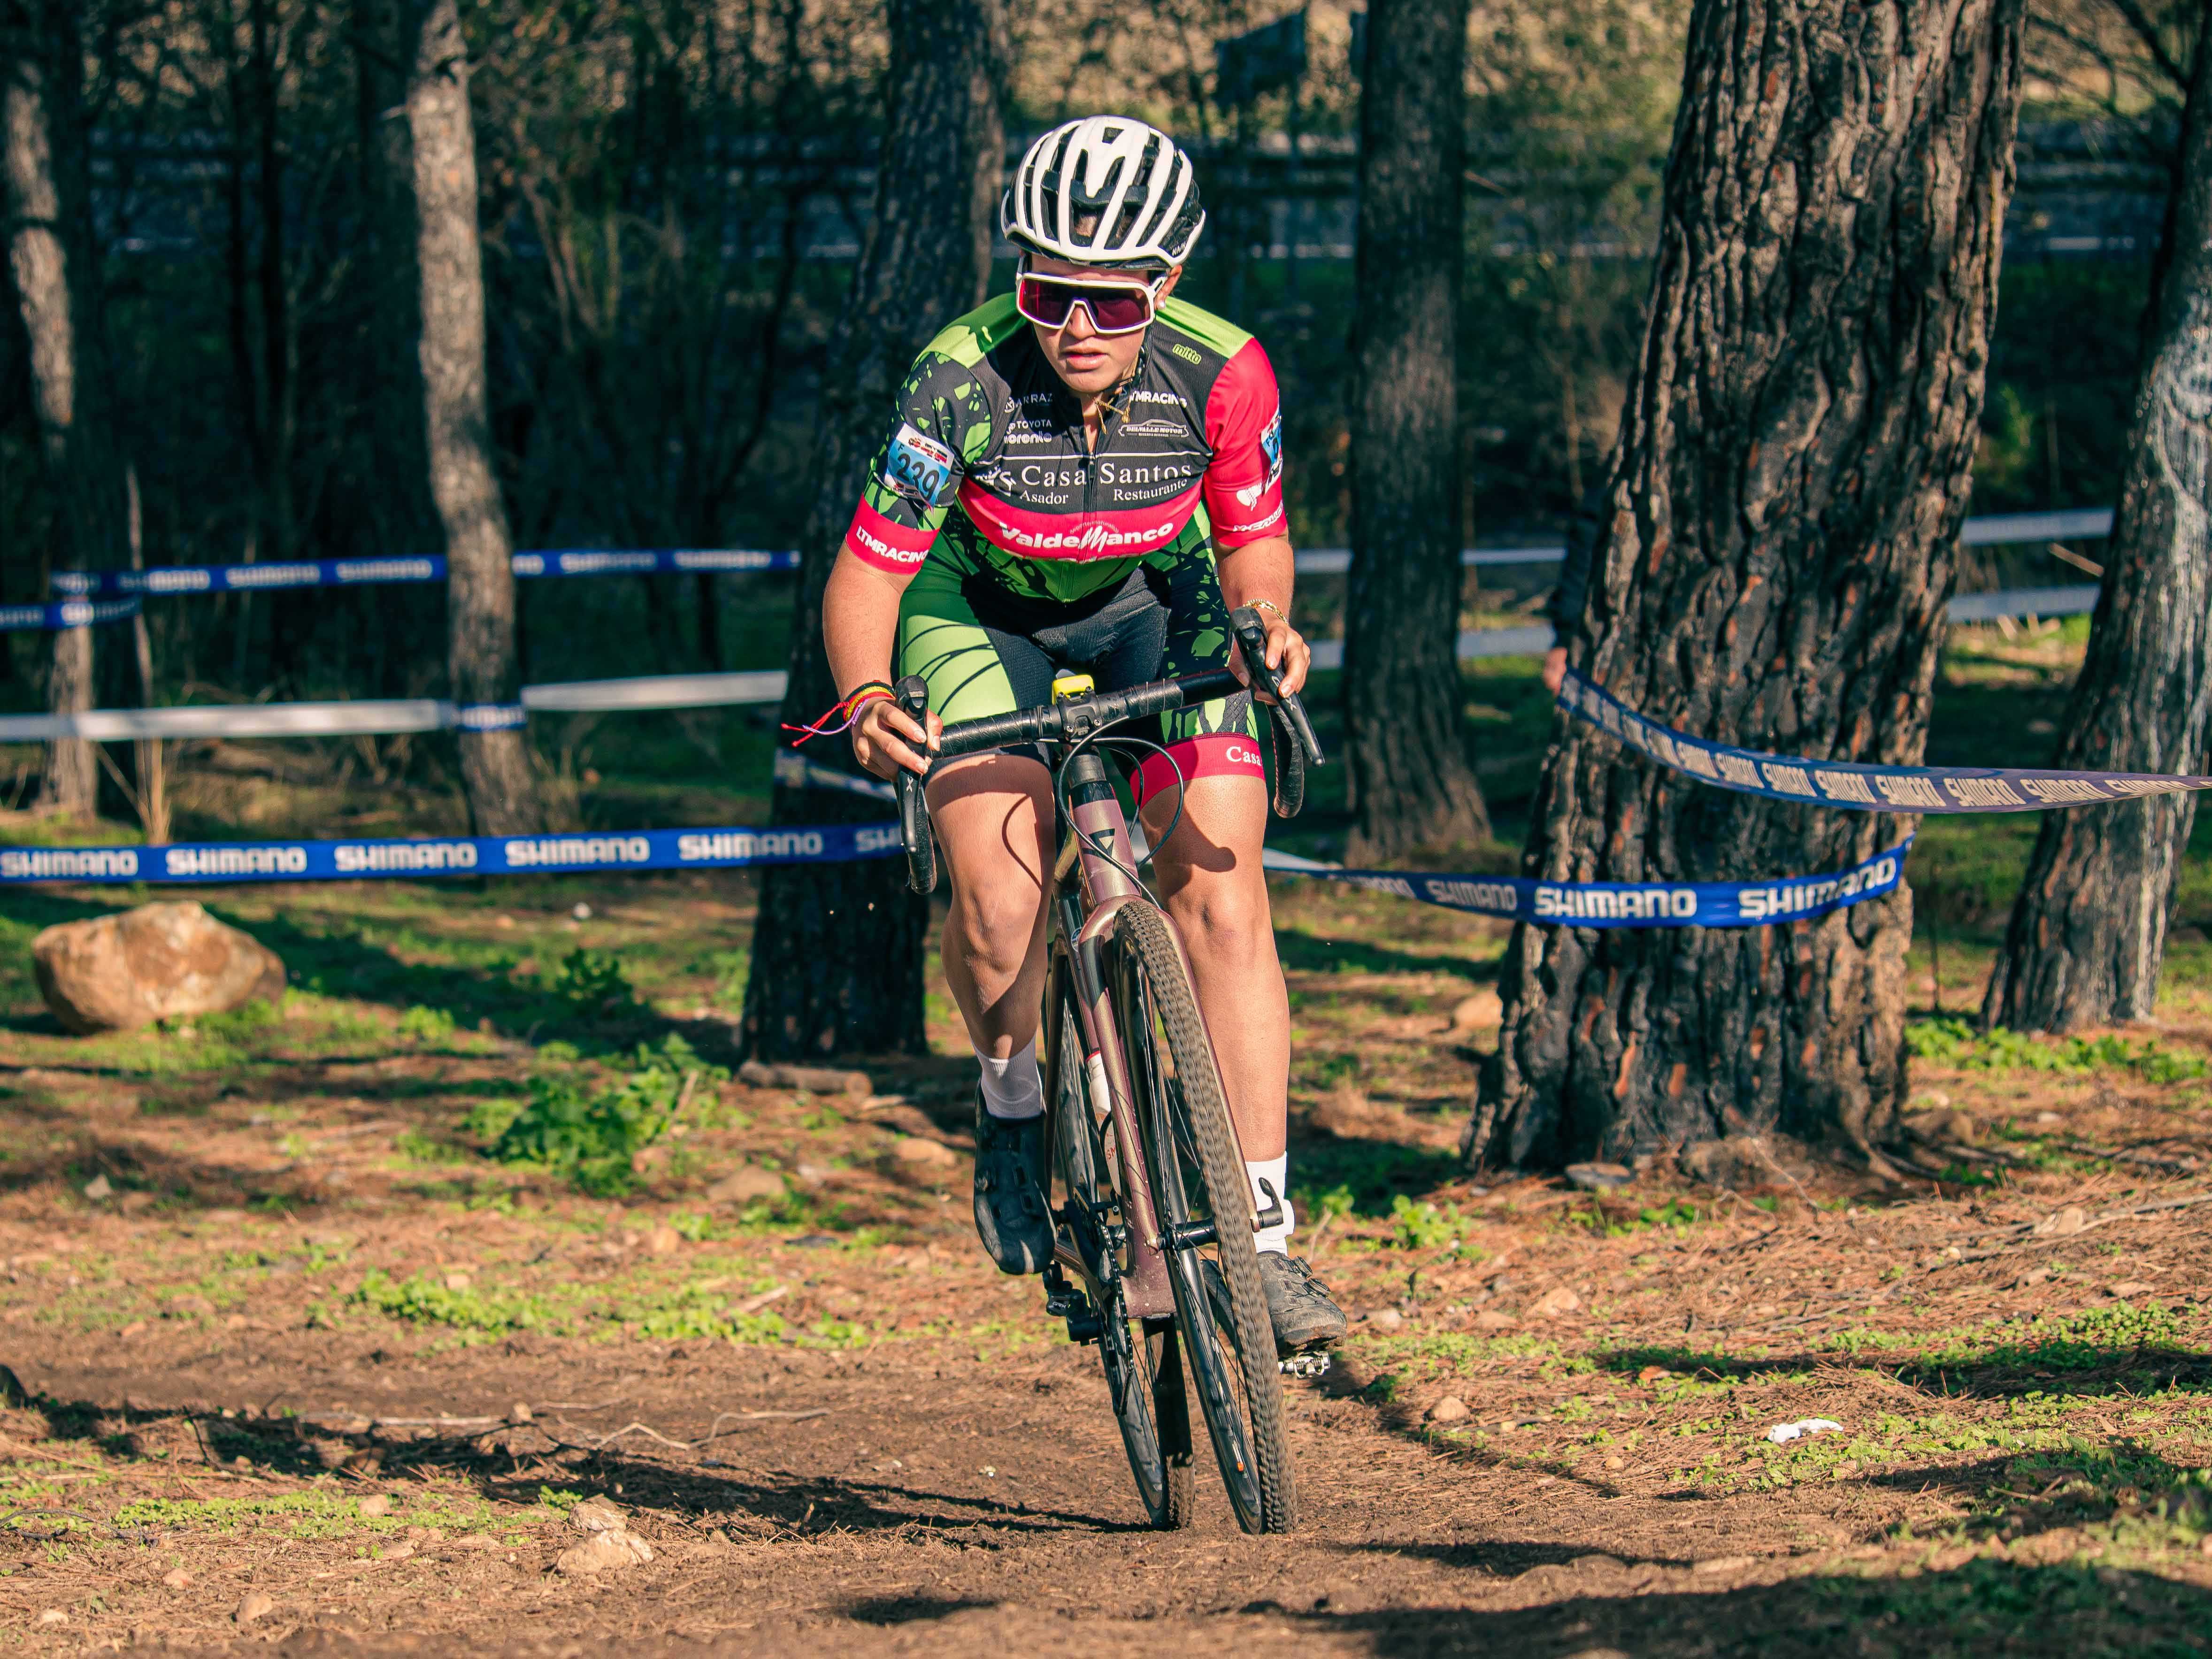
984 650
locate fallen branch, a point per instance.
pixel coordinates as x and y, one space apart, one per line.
132 1534
605 1440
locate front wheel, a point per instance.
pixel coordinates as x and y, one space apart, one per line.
1198 1176
1143 1377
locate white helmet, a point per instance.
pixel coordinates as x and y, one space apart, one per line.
1104 191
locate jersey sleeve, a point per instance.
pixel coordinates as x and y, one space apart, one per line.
1244 425
940 423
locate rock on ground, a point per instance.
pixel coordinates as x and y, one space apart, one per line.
157 962
603 1551
746 1186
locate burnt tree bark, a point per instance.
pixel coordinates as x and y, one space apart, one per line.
1411 780
2087 934
1784 508
50 256
481 658
837 950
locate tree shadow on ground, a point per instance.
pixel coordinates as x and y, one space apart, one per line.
714 1494
1303 952
2051 1362
1372 1172
1599 1606
1984 1606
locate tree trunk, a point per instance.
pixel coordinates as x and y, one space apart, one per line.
51 268
837 952
2088 929
391 510
1411 780
1784 502
480 575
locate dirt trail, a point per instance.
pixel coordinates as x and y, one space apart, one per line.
240 1271
949 1503
944 1500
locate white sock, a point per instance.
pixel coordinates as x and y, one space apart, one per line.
1012 1086
1270 1178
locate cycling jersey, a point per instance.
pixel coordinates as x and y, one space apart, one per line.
1191 447
1028 549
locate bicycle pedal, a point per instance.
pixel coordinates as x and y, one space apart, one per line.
1310 1366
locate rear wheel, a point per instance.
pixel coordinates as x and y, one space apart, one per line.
1198 1176
1143 1375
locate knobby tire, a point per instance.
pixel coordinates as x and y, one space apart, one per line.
1144 934
1143 1377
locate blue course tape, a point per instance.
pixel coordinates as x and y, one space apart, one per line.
424 567
69 613
246 578
458 855
1636 904
654 561
1853 785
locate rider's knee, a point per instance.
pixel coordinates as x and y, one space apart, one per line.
1225 918
997 919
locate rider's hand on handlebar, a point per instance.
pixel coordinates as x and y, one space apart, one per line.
886 738
1288 654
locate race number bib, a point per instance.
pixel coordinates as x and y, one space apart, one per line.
919 467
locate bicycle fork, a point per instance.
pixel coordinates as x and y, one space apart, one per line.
1105 1089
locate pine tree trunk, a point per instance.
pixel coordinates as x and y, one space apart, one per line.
392 509
1784 502
51 268
837 952
2088 930
1411 780
480 576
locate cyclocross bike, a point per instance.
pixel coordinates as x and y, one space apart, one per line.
1154 1218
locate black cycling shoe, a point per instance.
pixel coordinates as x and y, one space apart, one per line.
1011 1217
1305 1319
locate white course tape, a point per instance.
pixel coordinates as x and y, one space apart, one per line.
656 691
384 718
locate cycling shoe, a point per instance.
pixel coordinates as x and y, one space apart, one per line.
1010 1217
1300 1306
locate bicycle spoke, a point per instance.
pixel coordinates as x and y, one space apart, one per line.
1092 1180
1198 1173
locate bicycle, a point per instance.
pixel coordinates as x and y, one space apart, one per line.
1156 1215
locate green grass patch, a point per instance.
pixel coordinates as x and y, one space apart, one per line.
589 1135
1956 1041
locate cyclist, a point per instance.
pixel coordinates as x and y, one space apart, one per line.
1086 474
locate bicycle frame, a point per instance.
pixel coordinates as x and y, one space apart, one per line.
1087 894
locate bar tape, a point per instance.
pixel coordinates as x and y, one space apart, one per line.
457 855
69 613
1853 785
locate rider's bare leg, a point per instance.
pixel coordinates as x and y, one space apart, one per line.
1208 875
992 817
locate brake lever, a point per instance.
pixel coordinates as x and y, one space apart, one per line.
912 695
1252 639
